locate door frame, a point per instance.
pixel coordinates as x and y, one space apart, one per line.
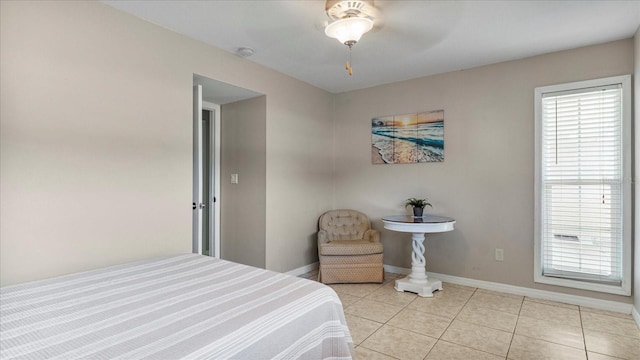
196 225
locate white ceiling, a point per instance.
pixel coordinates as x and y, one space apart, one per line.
417 38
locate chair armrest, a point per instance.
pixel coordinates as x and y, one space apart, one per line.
372 235
322 237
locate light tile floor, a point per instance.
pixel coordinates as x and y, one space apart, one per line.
466 323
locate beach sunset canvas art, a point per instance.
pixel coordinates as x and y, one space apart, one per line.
408 139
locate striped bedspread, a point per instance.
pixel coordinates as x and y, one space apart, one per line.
178 307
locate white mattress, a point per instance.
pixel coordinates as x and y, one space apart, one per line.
184 306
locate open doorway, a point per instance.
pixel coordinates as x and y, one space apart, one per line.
206 178
210 180
208 96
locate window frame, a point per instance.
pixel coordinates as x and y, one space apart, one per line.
625 287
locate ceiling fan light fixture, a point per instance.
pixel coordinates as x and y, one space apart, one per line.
349 30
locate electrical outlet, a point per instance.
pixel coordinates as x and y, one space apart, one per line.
499 254
234 178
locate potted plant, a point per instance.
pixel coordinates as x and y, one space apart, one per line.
417 204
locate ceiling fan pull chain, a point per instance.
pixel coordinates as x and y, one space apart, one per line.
349 68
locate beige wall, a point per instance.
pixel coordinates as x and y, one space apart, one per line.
95 148
636 97
487 179
96 141
243 152
299 174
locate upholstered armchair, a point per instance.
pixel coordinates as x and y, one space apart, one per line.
349 250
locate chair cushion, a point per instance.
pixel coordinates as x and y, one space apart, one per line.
350 247
344 224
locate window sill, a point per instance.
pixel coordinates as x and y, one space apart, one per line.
624 289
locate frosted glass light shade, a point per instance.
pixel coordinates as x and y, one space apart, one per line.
348 29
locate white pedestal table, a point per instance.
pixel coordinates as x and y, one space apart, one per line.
417 282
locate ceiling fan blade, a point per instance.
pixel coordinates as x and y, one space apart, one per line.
401 22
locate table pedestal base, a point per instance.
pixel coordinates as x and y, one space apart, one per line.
418 281
423 289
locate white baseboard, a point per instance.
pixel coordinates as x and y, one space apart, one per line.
524 291
397 270
636 315
303 269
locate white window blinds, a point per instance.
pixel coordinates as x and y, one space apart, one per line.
581 189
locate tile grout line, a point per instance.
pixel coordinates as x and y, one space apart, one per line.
552 342
402 308
487 308
378 352
451 322
513 334
584 338
437 339
378 329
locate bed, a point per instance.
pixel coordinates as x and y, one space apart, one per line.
176 307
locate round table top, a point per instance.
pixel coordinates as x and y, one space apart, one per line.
418 224
418 219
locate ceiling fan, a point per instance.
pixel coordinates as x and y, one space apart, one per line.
349 20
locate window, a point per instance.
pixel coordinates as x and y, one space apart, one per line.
583 185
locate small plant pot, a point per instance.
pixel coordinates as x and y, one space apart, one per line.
417 211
